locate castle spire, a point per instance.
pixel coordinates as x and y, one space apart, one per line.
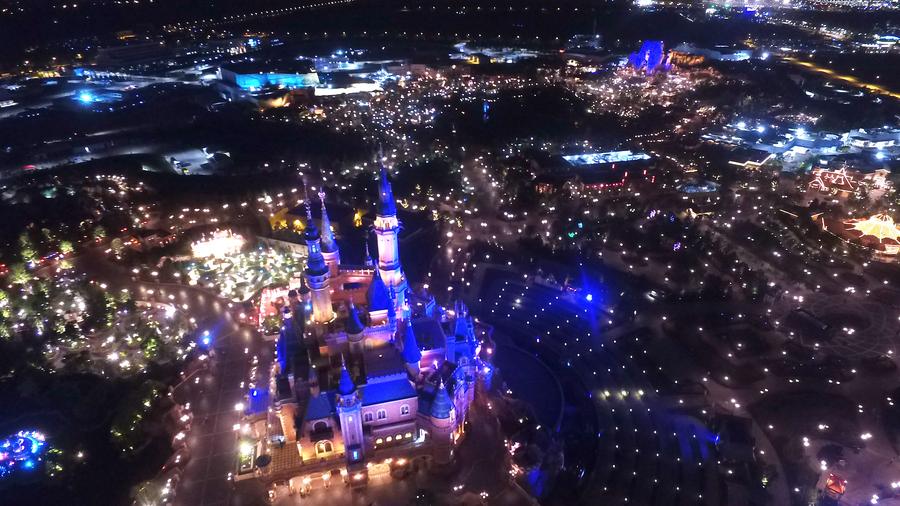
328 243
377 294
354 323
369 260
311 232
411 354
386 205
345 383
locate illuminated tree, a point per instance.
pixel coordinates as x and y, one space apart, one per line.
19 274
117 246
5 313
4 304
26 248
65 247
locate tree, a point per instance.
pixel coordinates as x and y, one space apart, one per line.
19 274
5 313
99 232
26 248
117 246
65 247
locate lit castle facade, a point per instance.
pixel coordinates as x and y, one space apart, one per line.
367 372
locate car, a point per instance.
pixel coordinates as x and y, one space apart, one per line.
424 497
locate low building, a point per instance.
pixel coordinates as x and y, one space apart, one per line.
267 83
254 76
719 53
877 138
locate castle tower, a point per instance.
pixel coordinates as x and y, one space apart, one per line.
410 352
349 408
464 332
387 228
356 336
443 421
317 273
330 250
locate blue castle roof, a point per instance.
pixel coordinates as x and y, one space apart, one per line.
345 383
441 406
387 391
354 324
377 296
411 353
320 406
328 243
386 205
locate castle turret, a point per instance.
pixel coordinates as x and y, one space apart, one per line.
410 352
387 228
349 408
316 273
330 250
356 336
443 421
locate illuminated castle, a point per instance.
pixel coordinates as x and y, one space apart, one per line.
366 370
651 57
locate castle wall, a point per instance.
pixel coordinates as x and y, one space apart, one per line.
393 413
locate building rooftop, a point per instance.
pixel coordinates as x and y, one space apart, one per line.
320 406
383 361
429 333
387 391
269 67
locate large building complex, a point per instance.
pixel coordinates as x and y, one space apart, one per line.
366 369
